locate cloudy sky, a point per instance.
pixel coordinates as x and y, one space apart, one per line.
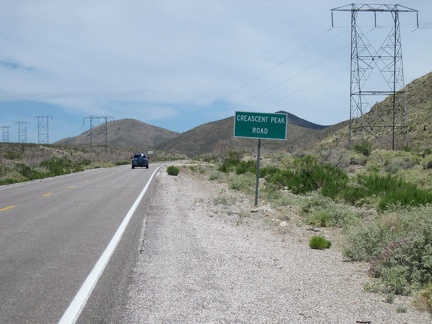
178 64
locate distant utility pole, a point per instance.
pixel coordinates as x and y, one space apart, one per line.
376 53
6 133
98 117
22 132
43 130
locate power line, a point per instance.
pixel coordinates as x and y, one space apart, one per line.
250 81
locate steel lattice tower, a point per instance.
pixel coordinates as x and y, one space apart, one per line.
43 129
93 117
6 133
22 132
377 71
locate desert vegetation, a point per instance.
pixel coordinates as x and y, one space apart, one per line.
380 200
25 162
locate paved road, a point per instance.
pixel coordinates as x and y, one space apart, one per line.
53 232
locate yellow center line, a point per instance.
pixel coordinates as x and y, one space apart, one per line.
47 194
7 208
72 187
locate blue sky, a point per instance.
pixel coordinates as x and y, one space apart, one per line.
178 64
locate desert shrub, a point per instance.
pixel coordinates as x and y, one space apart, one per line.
244 182
364 148
7 181
308 174
390 189
28 173
232 159
278 177
396 164
410 195
268 171
4 170
404 264
216 175
427 164
321 218
423 300
398 247
319 242
87 162
323 211
173 170
122 163
365 185
245 166
57 166
12 155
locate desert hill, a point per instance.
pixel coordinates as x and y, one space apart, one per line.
217 137
418 94
123 133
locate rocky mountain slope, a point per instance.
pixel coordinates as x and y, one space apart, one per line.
378 123
123 133
217 137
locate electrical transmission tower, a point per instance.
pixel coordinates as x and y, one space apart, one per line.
6 133
377 72
22 132
97 117
43 130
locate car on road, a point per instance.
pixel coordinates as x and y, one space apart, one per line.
140 160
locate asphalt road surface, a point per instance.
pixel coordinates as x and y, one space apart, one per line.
58 232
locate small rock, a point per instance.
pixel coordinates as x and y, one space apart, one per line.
283 224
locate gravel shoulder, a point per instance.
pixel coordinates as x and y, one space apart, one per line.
208 260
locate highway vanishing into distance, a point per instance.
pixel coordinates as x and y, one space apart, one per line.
68 243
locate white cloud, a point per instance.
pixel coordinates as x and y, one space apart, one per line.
159 60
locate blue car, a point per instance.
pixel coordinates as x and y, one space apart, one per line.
140 160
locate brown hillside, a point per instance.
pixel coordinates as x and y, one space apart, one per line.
125 133
217 136
419 111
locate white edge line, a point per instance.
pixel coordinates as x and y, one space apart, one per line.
74 310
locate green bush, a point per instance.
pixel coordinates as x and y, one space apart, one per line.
423 300
7 181
308 174
324 212
4 170
321 218
364 148
410 195
369 185
398 247
319 242
390 190
245 166
245 182
172 170
57 166
27 172
231 161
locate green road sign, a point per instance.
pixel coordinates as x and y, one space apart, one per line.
260 125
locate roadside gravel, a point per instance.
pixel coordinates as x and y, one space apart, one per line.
208 260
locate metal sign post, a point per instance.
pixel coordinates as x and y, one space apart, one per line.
261 126
257 172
